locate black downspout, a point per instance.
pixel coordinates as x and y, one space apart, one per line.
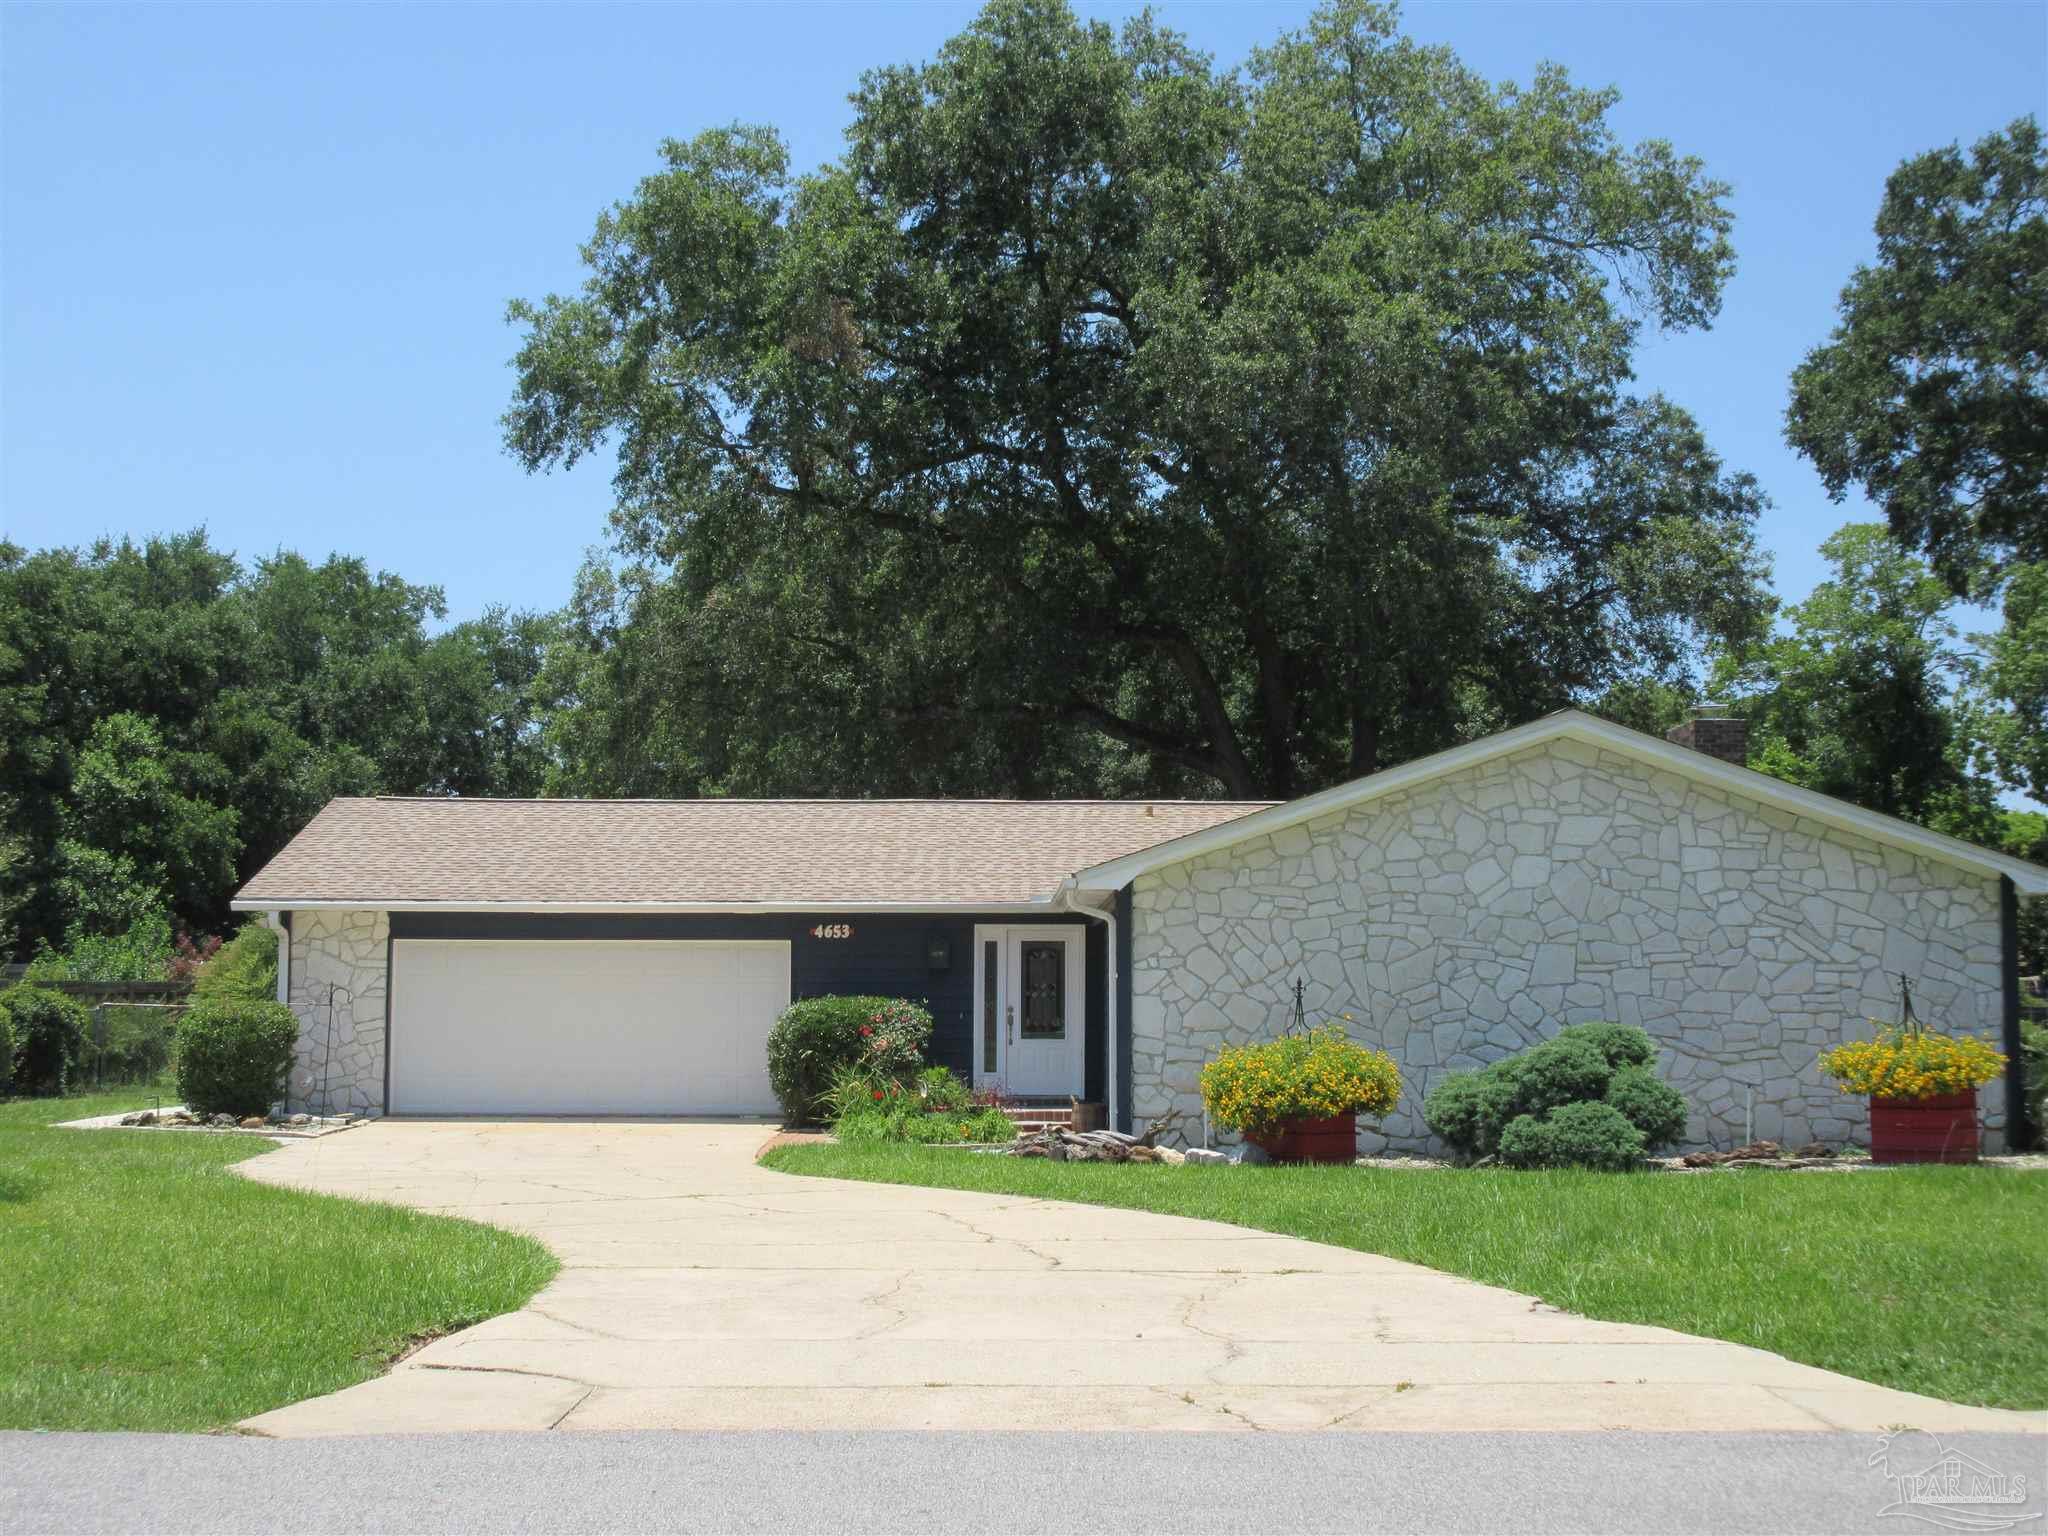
1123 1009
2020 1133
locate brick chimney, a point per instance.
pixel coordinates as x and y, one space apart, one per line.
1714 731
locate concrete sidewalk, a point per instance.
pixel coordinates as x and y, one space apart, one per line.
701 1291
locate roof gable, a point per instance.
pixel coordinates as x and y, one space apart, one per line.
1113 874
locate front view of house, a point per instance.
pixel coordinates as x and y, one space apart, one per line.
561 957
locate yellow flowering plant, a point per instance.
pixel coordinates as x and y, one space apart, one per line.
1308 1076
1911 1063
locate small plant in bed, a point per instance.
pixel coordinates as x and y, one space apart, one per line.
935 1109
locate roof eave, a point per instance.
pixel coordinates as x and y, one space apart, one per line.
650 908
2028 879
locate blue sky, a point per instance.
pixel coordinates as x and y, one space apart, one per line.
256 258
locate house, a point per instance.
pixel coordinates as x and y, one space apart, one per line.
628 957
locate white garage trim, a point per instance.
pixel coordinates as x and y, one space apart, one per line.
584 1026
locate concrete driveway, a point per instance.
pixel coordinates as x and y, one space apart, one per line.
701 1291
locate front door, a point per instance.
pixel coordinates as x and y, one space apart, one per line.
1030 1004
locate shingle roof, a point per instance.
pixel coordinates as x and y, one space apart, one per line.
677 852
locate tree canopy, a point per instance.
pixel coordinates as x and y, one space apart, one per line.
1103 418
173 717
1853 699
1932 393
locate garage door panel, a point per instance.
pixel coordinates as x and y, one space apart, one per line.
584 1027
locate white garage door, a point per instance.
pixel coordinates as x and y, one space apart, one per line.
568 1027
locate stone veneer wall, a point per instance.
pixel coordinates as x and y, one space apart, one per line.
339 1064
1475 915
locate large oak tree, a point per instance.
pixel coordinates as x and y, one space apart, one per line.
1101 415
1932 393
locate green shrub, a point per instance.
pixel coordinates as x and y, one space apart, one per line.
2034 1075
6 1047
1581 1135
1595 1063
1649 1104
1469 1109
1624 1045
817 1038
245 967
901 1121
855 1091
234 1056
48 1031
1559 1071
940 1089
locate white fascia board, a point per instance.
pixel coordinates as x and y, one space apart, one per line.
2028 879
648 908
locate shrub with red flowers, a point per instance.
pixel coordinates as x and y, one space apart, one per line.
882 1038
892 1041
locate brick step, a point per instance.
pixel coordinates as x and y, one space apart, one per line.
1036 1117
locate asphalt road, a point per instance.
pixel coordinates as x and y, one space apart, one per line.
958 1483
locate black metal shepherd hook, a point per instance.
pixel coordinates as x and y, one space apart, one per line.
1909 1022
1300 1024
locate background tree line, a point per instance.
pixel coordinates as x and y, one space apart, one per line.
1103 422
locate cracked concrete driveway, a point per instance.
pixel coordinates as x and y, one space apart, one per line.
701 1291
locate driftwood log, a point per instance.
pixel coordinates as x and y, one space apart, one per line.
1063 1145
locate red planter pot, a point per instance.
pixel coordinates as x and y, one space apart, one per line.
1334 1140
1942 1129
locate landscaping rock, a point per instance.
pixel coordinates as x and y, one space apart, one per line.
300 1119
1252 1155
1171 1155
1815 1149
222 1121
1204 1155
252 1122
1756 1152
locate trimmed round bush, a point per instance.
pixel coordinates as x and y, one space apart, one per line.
1650 1104
818 1038
234 1056
47 1031
1597 1064
1582 1135
1624 1045
1470 1109
1559 1071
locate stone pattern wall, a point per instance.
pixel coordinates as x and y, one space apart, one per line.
1477 914
339 1064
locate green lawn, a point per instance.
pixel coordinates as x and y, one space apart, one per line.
144 1286
1930 1279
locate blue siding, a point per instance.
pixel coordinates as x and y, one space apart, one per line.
885 956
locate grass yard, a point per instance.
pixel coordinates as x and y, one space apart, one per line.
144 1286
1934 1280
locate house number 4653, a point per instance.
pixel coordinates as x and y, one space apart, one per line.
832 931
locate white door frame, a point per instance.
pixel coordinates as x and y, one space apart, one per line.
1007 937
